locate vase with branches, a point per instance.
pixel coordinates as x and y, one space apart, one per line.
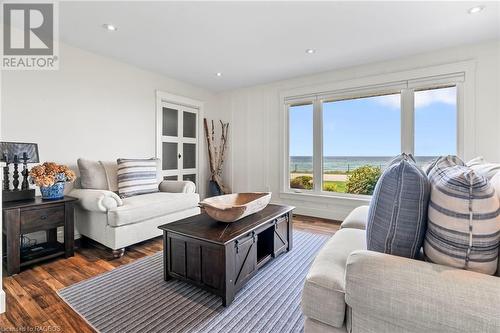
216 155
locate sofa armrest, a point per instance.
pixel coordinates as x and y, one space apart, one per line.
96 200
177 186
422 296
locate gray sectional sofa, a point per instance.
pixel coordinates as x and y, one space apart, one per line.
350 289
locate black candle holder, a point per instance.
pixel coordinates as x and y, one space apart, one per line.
6 179
25 185
15 176
11 154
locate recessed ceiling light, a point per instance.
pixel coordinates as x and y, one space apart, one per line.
109 27
310 51
218 74
475 9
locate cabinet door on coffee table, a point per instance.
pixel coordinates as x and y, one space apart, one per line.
245 259
178 256
197 261
212 267
280 235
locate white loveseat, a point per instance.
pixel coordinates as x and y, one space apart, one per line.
104 217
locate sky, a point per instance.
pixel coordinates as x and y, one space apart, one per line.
371 126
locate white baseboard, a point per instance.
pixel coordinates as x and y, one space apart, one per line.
2 301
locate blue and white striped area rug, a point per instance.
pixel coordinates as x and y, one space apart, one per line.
135 298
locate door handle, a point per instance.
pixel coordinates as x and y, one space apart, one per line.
179 156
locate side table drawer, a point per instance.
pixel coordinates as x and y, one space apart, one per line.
42 218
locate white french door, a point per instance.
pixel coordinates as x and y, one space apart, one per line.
177 144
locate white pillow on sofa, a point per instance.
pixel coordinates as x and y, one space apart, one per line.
137 176
111 171
92 175
463 218
495 182
492 172
483 168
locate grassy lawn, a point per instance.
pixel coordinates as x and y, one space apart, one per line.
334 186
304 181
363 180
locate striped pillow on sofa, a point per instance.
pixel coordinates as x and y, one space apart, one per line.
463 228
398 211
137 176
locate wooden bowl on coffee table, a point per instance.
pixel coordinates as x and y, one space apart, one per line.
233 207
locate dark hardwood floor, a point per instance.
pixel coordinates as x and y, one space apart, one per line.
34 306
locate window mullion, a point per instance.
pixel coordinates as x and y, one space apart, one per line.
461 139
408 121
318 146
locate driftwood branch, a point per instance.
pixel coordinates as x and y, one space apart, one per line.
216 152
210 149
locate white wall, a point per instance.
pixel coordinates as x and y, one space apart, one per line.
93 107
254 114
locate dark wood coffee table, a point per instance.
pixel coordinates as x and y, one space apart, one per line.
221 257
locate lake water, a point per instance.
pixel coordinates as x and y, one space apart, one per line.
303 164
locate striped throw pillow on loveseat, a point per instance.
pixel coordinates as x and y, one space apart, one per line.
137 176
398 211
463 228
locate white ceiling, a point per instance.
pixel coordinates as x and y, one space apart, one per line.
258 42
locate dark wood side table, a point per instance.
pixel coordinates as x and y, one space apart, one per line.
23 217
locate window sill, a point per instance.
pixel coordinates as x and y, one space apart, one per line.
329 206
310 196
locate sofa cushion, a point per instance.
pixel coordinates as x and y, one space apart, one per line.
111 170
357 218
323 296
137 176
398 211
143 207
463 228
92 175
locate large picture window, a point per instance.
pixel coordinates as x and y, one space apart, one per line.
347 125
359 132
301 146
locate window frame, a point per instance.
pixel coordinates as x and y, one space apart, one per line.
440 76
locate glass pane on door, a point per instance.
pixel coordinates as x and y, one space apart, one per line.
170 122
189 125
170 178
191 177
169 156
189 156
